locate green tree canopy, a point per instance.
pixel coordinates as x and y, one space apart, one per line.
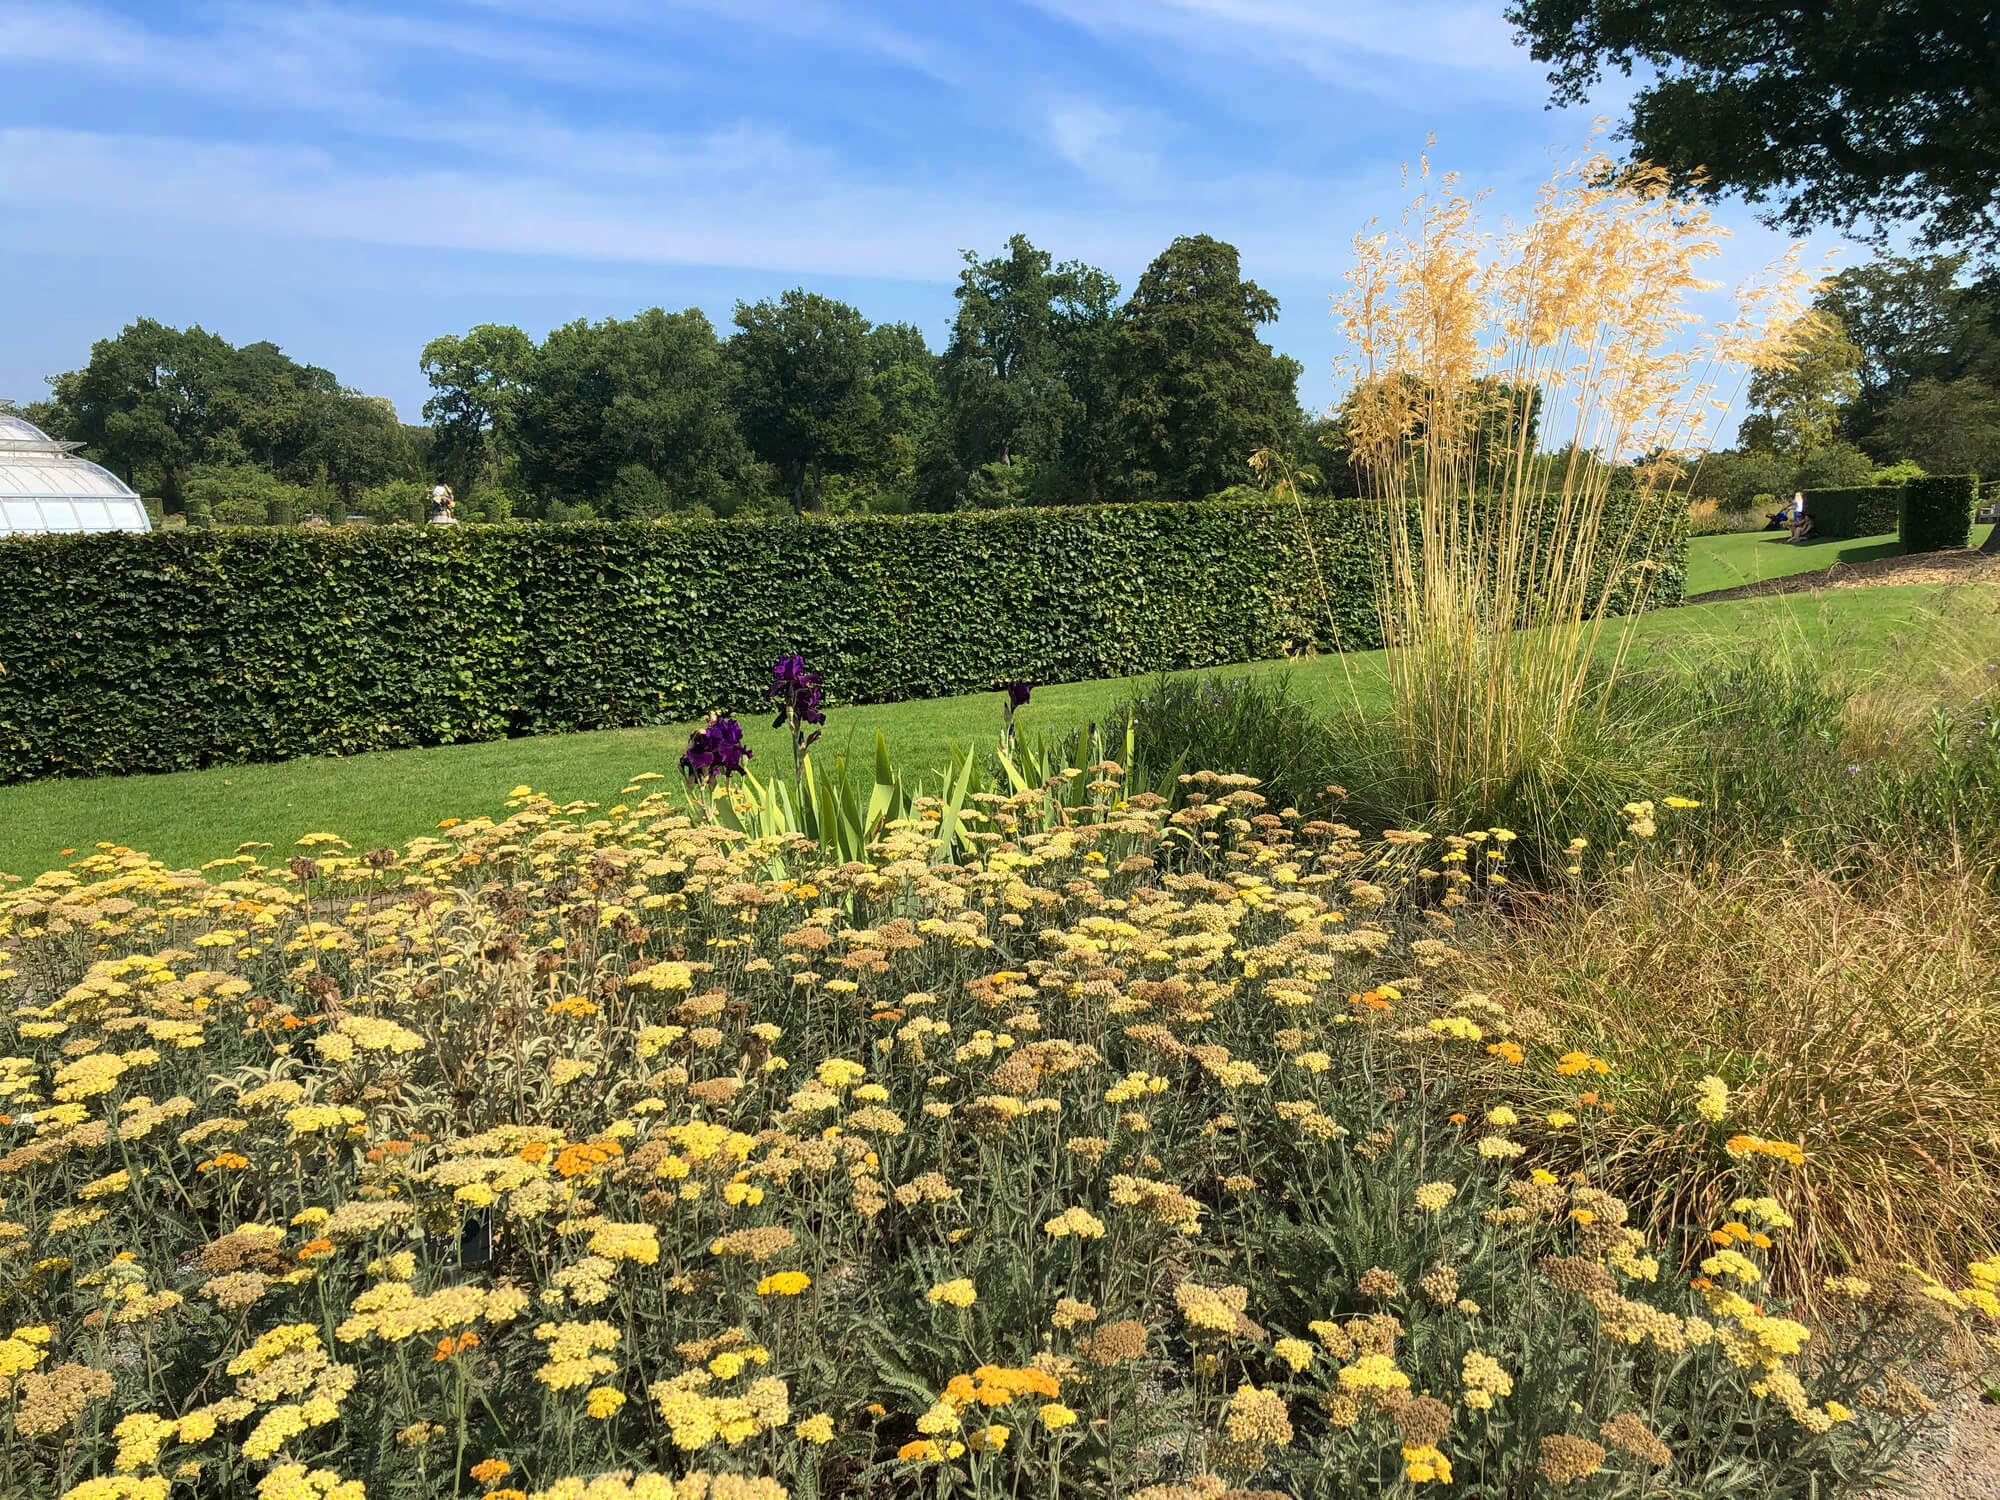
476 382
803 389
1853 113
1026 368
1794 411
650 391
1199 391
1947 427
155 402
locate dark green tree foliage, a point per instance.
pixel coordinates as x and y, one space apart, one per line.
1847 112
803 389
1026 357
477 380
650 391
903 374
1930 361
1199 390
156 403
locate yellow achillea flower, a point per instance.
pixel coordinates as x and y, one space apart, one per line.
1374 1372
1076 1221
637 1242
957 1293
1750 1145
603 1401
1423 1463
1572 1063
1055 1416
1295 1352
816 1429
1484 1379
1711 1098
1432 1197
783 1284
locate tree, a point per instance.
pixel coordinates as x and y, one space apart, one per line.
145 405
651 390
357 441
1947 427
903 375
1793 411
1853 113
1199 391
477 381
1913 320
1734 478
803 391
1834 465
1024 382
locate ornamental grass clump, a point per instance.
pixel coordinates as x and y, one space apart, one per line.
1498 384
1141 1147
1854 1013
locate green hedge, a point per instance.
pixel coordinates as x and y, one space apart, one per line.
181 649
1866 510
1937 512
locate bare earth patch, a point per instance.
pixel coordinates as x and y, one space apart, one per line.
1957 565
1961 1459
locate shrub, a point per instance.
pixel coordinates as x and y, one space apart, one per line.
1134 1151
1863 511
392 501
1253 725
164 652
243 495
1937 512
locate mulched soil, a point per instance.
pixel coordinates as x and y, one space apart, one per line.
1962 564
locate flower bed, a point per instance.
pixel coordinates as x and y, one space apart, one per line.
608 1152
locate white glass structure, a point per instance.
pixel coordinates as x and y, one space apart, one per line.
45 487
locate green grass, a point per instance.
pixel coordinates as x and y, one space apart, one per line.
1724 562
190 817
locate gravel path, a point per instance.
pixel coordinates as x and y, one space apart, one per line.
1959 565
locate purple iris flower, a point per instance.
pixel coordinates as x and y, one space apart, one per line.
1017 695
716 750
797 691
799 697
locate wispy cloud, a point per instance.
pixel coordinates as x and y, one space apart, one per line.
1353 44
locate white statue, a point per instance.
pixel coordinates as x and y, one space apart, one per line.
444 506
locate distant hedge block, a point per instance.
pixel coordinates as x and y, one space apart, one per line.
1937 512
182 649
1854 511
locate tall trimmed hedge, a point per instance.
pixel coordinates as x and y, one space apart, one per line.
1865 510
181 649
1937 512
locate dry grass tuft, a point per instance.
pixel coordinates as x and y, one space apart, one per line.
1854 1017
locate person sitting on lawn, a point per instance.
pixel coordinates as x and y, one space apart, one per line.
1801 524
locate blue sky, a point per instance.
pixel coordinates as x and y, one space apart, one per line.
349 180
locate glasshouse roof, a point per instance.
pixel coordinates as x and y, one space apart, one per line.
45 487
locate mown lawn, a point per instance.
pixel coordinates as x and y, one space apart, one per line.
1723 562
387 797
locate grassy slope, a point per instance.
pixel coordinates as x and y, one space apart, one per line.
1723 562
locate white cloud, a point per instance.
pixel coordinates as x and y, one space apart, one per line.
1105 144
